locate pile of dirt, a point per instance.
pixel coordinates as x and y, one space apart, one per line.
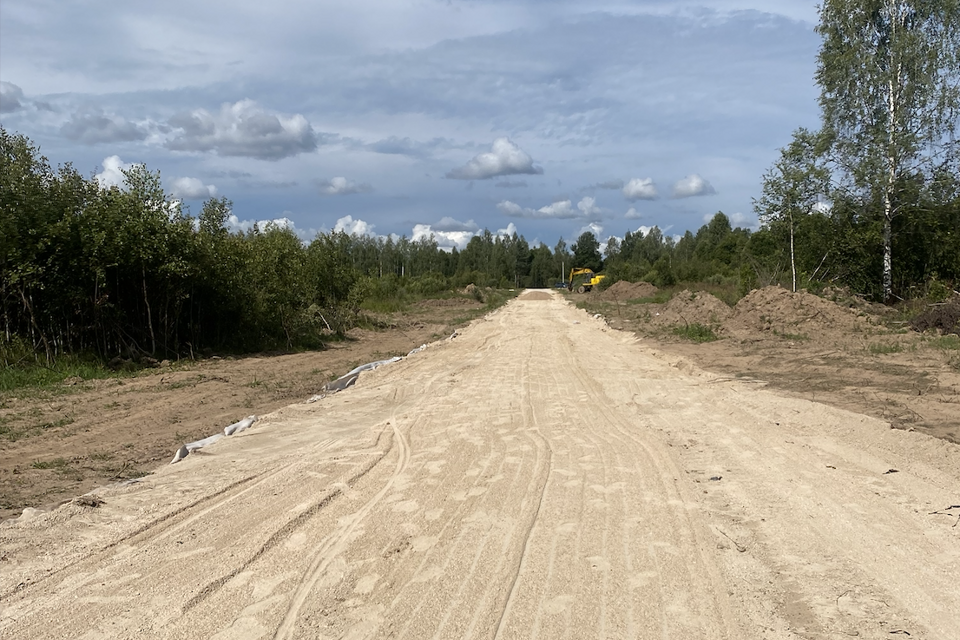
846 298
623 290
944 317
774 309
688 307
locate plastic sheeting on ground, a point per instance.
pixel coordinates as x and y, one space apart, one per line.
242 425
350 377
232 429
346 380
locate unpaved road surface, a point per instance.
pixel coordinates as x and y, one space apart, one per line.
539 476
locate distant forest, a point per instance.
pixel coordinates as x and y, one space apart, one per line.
113 271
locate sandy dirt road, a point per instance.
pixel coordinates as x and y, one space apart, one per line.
539 476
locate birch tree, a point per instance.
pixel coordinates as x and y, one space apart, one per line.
889 72
793 187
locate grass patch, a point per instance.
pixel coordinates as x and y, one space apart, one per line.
696 333
56 463
37 375
946 343
660 297
879 348
62 422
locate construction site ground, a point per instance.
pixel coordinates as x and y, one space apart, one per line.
543 474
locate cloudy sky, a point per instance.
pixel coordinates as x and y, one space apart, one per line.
425 116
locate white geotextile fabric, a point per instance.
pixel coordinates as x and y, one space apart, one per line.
371 365
237 427
232 429
346 380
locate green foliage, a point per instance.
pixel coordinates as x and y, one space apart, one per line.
946 343
586 252
696 333
660 297
90 273
56 463
889 72
792 189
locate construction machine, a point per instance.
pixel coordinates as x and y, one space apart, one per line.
583 280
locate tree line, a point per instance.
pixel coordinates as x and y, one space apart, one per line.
120 271
128 270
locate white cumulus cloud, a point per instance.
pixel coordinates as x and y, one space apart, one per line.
737 219
632 214
588 206
640 189
192 189
112 174
559 210
447 232
692 185
235 225
594 228
340 186
511 209
242 129
562 210
446 240
352 227
510 231
504 158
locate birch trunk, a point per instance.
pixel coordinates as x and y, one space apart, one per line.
793 261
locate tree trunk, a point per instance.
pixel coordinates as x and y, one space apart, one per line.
887 248
146 301
793 261
36 327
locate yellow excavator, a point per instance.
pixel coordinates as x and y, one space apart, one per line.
583 280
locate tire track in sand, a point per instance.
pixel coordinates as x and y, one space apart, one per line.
290 526
335 543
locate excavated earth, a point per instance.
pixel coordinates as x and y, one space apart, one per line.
538 476
841 351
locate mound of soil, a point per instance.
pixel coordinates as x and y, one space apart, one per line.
846 298
943 317
689 307
623 290
774 309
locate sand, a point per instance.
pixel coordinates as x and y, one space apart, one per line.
538 476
